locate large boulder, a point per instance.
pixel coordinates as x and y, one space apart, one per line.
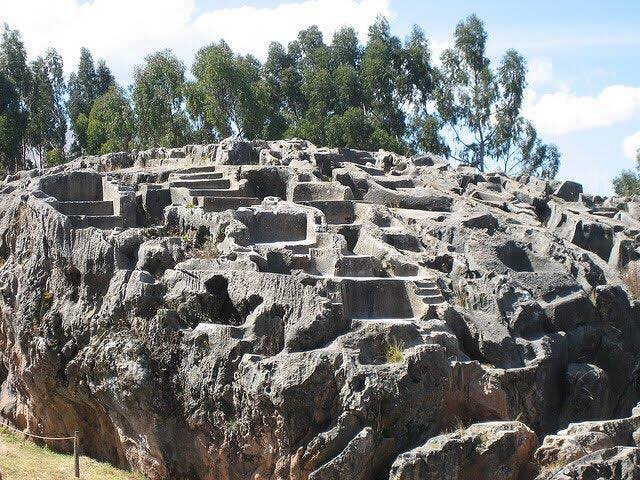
618 463
581 439
498 450
569 191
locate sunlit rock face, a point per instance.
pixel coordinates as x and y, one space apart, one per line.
279 310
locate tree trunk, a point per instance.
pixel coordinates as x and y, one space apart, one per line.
481 152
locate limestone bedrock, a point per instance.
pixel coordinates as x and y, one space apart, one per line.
277 310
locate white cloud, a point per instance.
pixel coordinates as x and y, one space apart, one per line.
565 112
540 72
124 31
630 145
437 48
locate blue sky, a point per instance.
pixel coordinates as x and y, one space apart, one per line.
584 56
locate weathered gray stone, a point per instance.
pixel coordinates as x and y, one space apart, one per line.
499 450
278 310
569 191
619 463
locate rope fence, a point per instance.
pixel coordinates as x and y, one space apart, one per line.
76 456
5 425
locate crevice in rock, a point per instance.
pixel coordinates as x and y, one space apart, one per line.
224 311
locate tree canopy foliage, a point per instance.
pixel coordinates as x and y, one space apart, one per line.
385 93
85 86
628 182
111 125
158 97
482 107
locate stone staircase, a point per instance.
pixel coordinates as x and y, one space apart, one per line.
208 189
91 213
429 292
358 289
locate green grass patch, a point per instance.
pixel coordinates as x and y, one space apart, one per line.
24 460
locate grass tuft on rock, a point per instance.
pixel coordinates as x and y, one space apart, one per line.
394 351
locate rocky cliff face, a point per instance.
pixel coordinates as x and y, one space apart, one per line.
277 310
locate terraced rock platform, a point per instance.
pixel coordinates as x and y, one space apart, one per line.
280 310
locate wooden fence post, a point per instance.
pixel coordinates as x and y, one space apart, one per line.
76 453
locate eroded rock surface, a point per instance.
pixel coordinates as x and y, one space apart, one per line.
492 450
279 310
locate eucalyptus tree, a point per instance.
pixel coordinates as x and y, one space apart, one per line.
111 126
382 78
627 183
309 49
271 92
345 65
104 79
13 124
158 93
41 105
55 72
85 86
347 89
226 95
345 49
482 107
13 61
471 99
352 128
283 88
314 88
519 150
15 84
418 92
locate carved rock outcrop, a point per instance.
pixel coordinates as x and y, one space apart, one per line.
277 310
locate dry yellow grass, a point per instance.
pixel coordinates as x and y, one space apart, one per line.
632 277
24 460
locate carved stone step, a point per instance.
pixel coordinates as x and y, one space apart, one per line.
220 204
355 266
215 192
198 176
86 208
394 182
432 299
104 222
376 298
197 169
198 184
